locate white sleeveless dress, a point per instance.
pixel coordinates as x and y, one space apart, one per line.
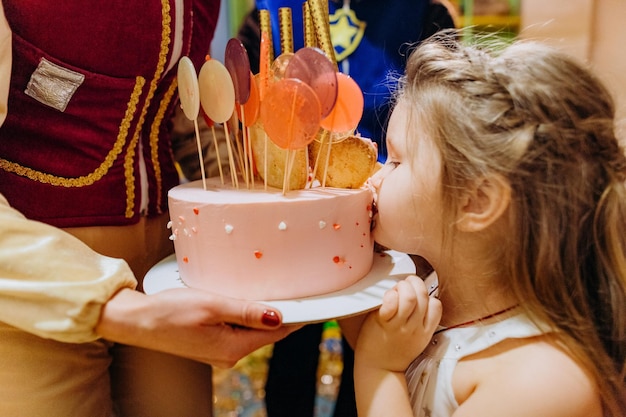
429 377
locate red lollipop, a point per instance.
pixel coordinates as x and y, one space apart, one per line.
238 65
312 66
348 109
290 114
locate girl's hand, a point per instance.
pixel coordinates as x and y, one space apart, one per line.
392 337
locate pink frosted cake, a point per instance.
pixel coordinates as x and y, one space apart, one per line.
263 245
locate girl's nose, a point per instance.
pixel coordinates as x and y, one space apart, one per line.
376 180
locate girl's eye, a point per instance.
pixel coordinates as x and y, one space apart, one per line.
393 164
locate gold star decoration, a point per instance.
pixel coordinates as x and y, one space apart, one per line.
346 32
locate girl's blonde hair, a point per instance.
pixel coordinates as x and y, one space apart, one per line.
546 124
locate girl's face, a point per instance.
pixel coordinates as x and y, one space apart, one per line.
408 196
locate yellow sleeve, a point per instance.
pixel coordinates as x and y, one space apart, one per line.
51 284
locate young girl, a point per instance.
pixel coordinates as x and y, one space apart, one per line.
505 174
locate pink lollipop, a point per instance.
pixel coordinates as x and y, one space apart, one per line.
217 93
188 88
290 113
348 109
312 66
238 65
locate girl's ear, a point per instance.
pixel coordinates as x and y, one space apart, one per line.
483 203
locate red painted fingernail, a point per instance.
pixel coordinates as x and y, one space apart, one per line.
270 318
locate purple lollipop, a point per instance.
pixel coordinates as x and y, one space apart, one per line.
238 65
312 66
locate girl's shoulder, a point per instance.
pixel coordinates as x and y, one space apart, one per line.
525 376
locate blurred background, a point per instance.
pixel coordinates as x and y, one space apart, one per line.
591 30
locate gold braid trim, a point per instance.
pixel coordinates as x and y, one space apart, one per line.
130 155
154 137
99 172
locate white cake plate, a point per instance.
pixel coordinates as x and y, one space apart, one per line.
388 268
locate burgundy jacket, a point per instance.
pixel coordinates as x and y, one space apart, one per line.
87 138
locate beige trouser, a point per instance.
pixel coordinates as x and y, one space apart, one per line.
146 383
45 378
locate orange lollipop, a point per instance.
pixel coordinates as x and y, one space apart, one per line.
248 113
348 109
291 114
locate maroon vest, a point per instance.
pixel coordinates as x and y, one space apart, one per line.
90 103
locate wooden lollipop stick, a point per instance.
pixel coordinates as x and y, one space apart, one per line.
265 161
239 154
286 173
195 125
244 135
250 156
324 135
231 159
330 142
217 154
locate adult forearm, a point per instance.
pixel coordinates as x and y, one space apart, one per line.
121 317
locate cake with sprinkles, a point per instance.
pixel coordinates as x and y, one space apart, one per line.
262 244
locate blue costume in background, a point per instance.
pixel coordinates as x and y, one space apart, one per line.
371 40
